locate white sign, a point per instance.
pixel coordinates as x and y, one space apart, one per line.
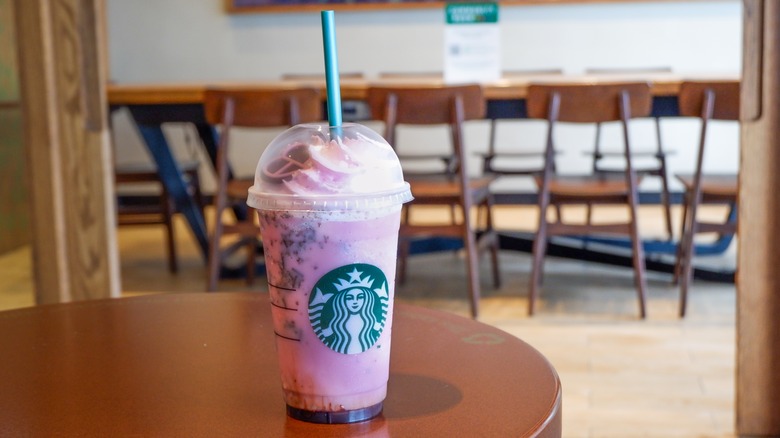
472 43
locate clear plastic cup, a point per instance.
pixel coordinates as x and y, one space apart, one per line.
329 202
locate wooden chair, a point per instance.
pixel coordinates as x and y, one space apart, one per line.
708 101
135 209
452 106
587 103
247 108
655 158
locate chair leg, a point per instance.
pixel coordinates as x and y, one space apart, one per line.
494 244
214 252
588 221
472 271
678 262
681 245
639 262
588 213
168 209
496 270
685 259
472 266
403 247
537 253
251 257
251 252
686 274
667 202
403 253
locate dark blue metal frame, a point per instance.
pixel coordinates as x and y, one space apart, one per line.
577 249
718 246
150 118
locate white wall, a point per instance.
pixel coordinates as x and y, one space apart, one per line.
179 40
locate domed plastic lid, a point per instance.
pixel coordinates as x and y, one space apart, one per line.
307 167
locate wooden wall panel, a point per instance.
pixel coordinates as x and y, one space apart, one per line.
66 136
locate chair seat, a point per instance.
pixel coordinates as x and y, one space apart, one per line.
587 185
433 188
239 188
713 184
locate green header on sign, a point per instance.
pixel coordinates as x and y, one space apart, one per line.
472 13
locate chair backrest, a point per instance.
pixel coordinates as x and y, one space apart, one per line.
724 94
715 100
263 106
255 107
429 105
425 105
589 103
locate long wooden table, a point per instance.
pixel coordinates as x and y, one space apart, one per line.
151 105
511 88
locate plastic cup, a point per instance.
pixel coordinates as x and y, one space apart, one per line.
329 207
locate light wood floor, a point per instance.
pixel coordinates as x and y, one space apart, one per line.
621 376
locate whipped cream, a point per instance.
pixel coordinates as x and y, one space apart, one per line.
305 167
347 166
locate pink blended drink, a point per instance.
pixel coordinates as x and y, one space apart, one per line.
329 214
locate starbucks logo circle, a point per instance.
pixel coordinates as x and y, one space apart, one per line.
348 307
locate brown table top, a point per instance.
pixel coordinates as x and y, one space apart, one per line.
515 87
204 365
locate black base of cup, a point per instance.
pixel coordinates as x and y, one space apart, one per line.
340 417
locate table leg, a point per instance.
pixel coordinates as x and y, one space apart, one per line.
171 177
210 139
208 135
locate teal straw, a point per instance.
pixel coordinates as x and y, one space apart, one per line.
331 72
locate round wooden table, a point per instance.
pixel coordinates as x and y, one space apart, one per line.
204 365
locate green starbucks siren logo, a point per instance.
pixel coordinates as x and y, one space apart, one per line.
348 307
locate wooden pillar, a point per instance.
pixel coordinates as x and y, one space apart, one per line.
758 277
14 208
66 137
